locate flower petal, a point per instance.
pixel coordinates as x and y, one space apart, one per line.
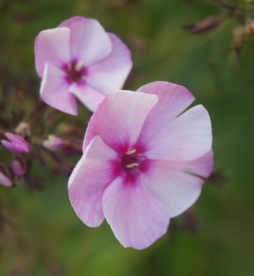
109 74
89 179
136 217
187 137
201 167
119 119
173 100
52 46
89 41
90 97
176 184
54 90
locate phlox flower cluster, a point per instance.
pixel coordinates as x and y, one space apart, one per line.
143 161
144 157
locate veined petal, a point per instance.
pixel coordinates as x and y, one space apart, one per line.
89 41
136 217
90 97
52 46
109 74
89 179
187 137
173 100
54 90
177 184
119 119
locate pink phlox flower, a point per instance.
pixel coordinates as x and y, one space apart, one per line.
144 162
79 59
14 142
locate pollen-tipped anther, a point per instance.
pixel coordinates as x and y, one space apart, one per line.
131 151
79 65
129 166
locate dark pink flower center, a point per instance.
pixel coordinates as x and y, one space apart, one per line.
75 71
130 161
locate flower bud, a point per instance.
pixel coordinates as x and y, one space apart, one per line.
6 178
190 220
203 26
237 41
249 28
238 33
18 166
70 130
71 148
14 142
52 143
23 129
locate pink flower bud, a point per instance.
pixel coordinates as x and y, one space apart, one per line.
18 166
14 142
6 178
52 143
23 129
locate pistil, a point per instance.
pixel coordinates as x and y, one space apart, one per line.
79 66
75 71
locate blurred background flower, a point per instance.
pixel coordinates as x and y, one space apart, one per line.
40 234
78 58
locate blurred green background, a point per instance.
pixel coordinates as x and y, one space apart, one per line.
43 236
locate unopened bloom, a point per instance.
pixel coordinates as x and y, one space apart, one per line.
53 142
18 166
14 142
143 163
79 59
6 178
23 129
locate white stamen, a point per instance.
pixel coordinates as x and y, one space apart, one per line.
130 152
79 65
132 165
